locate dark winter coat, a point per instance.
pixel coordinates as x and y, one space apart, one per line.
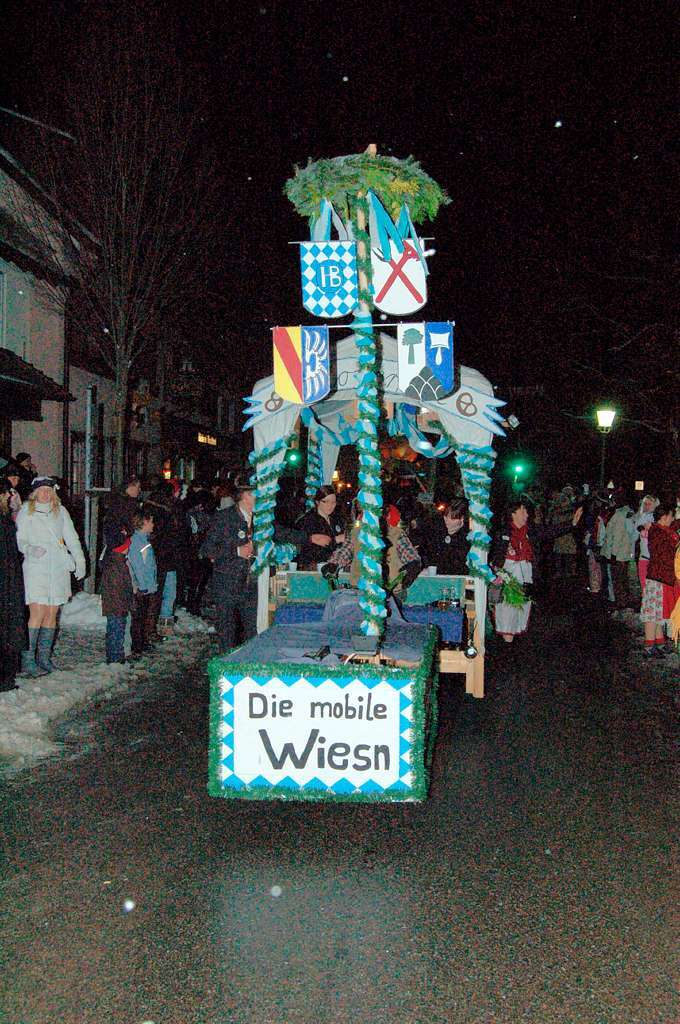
116 585
170 537
25 480
227 532
437 547
121 508
313 522
12 608
116 582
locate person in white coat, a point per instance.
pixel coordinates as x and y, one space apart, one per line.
49 543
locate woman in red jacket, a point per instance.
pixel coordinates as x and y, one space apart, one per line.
662 588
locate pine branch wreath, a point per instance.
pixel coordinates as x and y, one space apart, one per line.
339 180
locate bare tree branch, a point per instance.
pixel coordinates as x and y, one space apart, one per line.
144 197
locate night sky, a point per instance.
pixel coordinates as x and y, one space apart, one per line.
550 126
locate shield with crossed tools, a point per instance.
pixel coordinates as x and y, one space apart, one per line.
399 284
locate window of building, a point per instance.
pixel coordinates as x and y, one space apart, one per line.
137 459
77 465
186 469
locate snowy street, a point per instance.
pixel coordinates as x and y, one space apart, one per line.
535 884
28 714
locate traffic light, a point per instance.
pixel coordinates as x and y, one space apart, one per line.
520 470
293 457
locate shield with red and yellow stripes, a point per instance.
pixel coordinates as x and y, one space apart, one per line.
301 364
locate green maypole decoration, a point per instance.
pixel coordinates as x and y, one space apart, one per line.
267 465
314 478
372 594
476 465
341 179
345 181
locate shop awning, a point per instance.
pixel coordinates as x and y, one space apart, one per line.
23 388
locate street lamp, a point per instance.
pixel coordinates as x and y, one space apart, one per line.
605 421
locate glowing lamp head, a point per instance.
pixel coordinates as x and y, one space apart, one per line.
605 419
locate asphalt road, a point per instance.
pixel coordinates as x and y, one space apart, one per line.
537 884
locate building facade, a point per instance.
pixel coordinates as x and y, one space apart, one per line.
33 386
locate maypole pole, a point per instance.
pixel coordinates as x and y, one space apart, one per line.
372 596
341 191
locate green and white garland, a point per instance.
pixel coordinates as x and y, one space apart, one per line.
284 553
267 463
372 596
476 465
314 478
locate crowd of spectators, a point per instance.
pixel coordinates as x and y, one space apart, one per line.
163 544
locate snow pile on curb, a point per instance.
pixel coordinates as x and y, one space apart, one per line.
27 712
84 611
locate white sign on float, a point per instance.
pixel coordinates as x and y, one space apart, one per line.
326 734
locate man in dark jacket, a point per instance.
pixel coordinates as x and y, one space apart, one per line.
441 539
13 634
229 546
123 503
27 472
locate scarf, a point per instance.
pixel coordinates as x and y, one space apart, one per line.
520 545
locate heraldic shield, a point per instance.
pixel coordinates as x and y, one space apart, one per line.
301 364
330 286
425 359
399 283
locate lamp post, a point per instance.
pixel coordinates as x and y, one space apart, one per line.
605 421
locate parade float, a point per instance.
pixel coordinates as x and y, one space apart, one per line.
334 700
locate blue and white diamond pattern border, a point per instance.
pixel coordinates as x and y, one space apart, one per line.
343 786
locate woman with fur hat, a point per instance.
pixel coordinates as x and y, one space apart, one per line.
49 543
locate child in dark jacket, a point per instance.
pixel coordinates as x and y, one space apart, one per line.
116 587
142 563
